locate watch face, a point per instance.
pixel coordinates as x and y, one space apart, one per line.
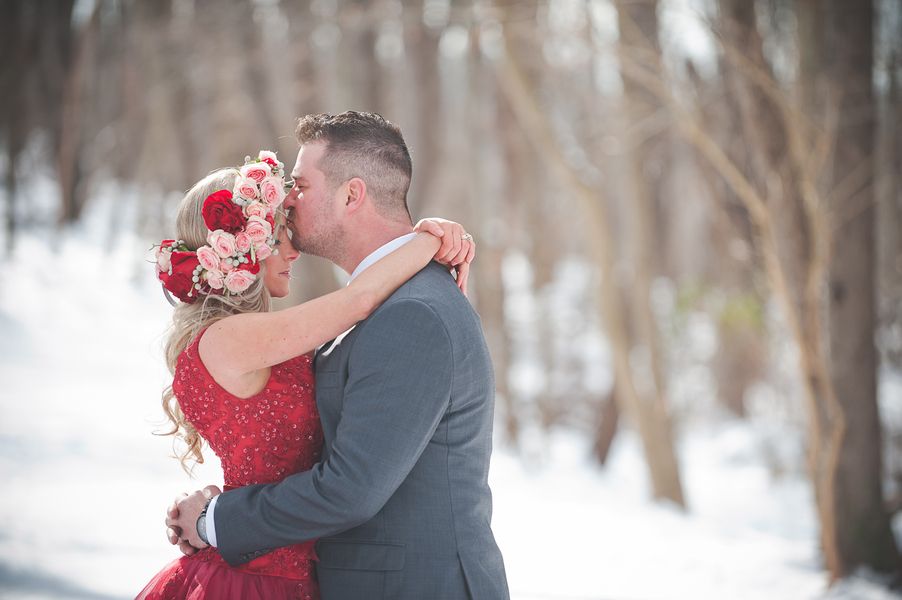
202 528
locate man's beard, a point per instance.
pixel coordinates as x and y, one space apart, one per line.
328 243
293 236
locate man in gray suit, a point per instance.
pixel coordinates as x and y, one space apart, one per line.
400 501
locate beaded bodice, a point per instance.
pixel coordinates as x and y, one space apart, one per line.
260 439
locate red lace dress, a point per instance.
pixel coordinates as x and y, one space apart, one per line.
261 439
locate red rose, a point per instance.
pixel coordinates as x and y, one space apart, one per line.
271 162
253 267
221 213
180 283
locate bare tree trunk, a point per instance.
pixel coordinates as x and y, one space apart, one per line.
13 109
863 532
638 23
14 148
422 55
889 216
359 69
71 128
606 430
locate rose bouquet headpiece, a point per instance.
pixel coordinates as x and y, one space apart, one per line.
242 234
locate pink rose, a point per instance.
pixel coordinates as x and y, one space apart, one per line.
215 279
256 171
226 265
256 209
258 229
262 251
239 280
163 260
242 242
246 188
273 191
222 242
208 258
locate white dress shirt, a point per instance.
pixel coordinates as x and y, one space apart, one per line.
367 262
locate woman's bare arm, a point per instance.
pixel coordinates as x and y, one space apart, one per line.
246 343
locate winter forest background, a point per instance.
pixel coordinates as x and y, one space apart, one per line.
689 218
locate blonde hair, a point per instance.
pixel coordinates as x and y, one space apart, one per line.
188 320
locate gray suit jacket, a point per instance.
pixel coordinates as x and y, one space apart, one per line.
400 500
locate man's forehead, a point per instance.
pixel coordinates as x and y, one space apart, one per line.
307 158
300 169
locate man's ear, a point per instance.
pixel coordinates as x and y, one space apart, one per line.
355 197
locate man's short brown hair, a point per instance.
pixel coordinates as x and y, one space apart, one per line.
364 145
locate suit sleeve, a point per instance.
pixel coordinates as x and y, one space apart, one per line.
398 389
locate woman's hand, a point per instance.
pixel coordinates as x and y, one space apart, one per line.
458 248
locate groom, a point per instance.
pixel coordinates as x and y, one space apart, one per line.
400 501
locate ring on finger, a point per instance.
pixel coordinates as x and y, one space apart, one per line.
466 237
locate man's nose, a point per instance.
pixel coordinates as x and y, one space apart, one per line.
291 198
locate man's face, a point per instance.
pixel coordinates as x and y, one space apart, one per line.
314 208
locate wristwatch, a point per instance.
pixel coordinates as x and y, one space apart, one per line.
202 524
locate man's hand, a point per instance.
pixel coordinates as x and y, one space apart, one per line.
181 519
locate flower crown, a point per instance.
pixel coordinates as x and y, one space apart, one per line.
241 224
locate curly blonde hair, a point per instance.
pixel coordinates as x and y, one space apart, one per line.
188 320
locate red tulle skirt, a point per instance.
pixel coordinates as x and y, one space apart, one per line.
188 579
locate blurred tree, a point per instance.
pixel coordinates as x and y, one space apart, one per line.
732 289
645 156
863 532
889 232
14 42
71 129
889 188
36 75
421 55
532 209
648 413
781 190
490 206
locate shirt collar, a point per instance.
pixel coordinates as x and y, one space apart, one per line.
380 252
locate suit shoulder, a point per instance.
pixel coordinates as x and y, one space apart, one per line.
431 287
435 287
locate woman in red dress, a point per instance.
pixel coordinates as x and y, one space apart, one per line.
242 374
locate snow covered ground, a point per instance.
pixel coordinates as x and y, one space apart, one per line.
86 484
